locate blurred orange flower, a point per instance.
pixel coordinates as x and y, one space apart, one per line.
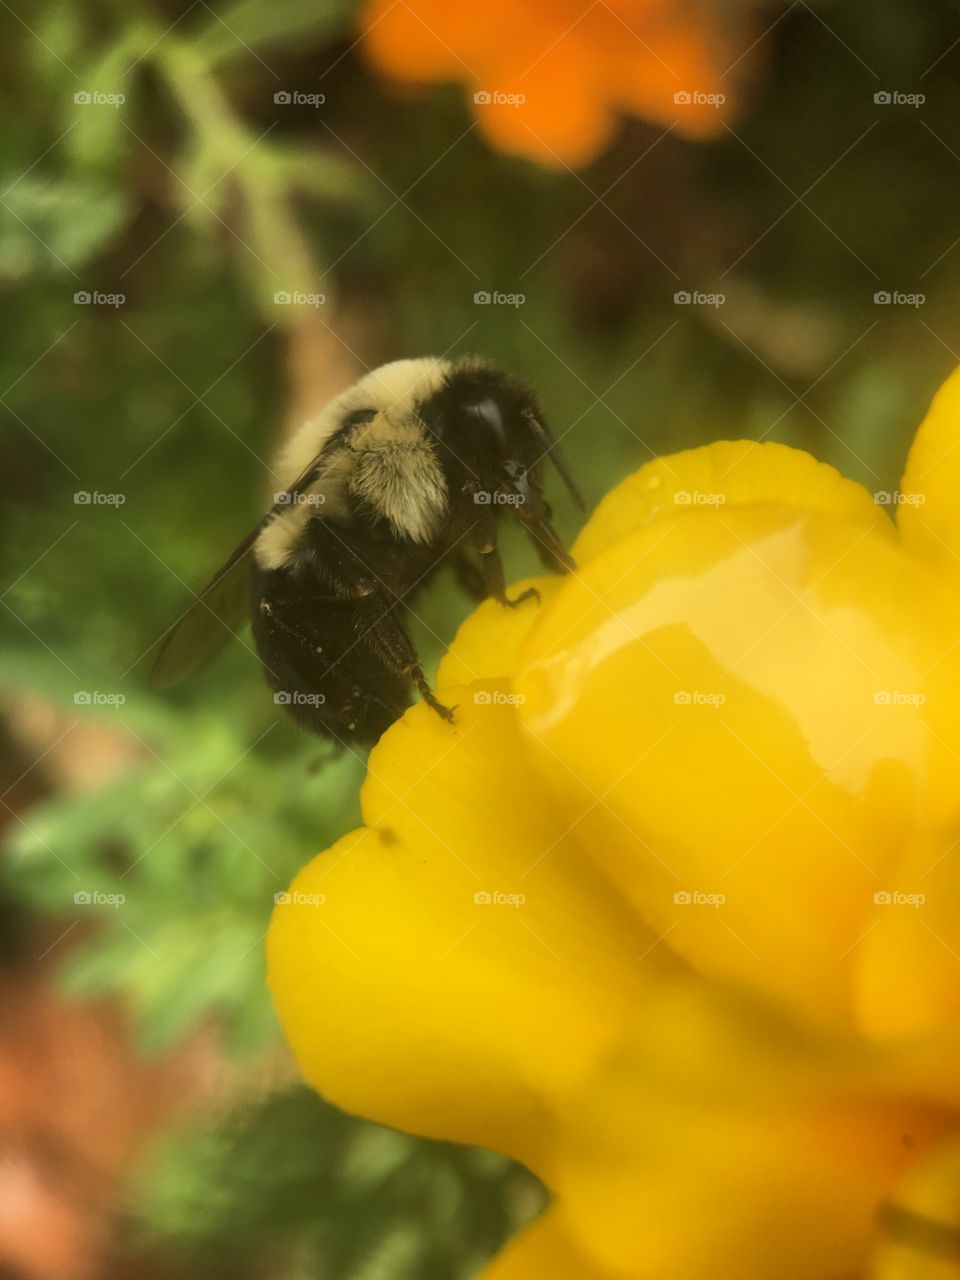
549 77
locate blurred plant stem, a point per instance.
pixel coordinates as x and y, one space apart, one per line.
223 144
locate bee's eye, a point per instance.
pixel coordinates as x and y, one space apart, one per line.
489 413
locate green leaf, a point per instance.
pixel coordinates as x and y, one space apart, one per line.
279 1186
57 226
254 25
100 136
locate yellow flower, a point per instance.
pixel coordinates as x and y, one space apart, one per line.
671 912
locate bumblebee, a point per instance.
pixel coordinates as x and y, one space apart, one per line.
408 471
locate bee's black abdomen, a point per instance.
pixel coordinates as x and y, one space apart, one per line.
317 661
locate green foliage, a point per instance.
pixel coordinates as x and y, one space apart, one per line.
177 865
248 25
50 228
294 1182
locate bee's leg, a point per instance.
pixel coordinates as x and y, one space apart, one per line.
337 563
376 611
430 698
553 554
496 584
277 615
470 577
491 566
381 627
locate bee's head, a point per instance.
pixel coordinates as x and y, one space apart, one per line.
492 439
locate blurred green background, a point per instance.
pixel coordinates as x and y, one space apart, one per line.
183 211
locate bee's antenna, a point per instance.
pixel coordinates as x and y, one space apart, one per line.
552 452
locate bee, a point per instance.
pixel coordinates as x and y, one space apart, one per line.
408 471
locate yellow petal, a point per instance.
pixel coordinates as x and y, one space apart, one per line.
928 512
919 1233
908 961
487 643
725 686
727 474
545 1251
717 1143
451 968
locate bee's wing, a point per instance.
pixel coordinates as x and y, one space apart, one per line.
210 622
214 617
